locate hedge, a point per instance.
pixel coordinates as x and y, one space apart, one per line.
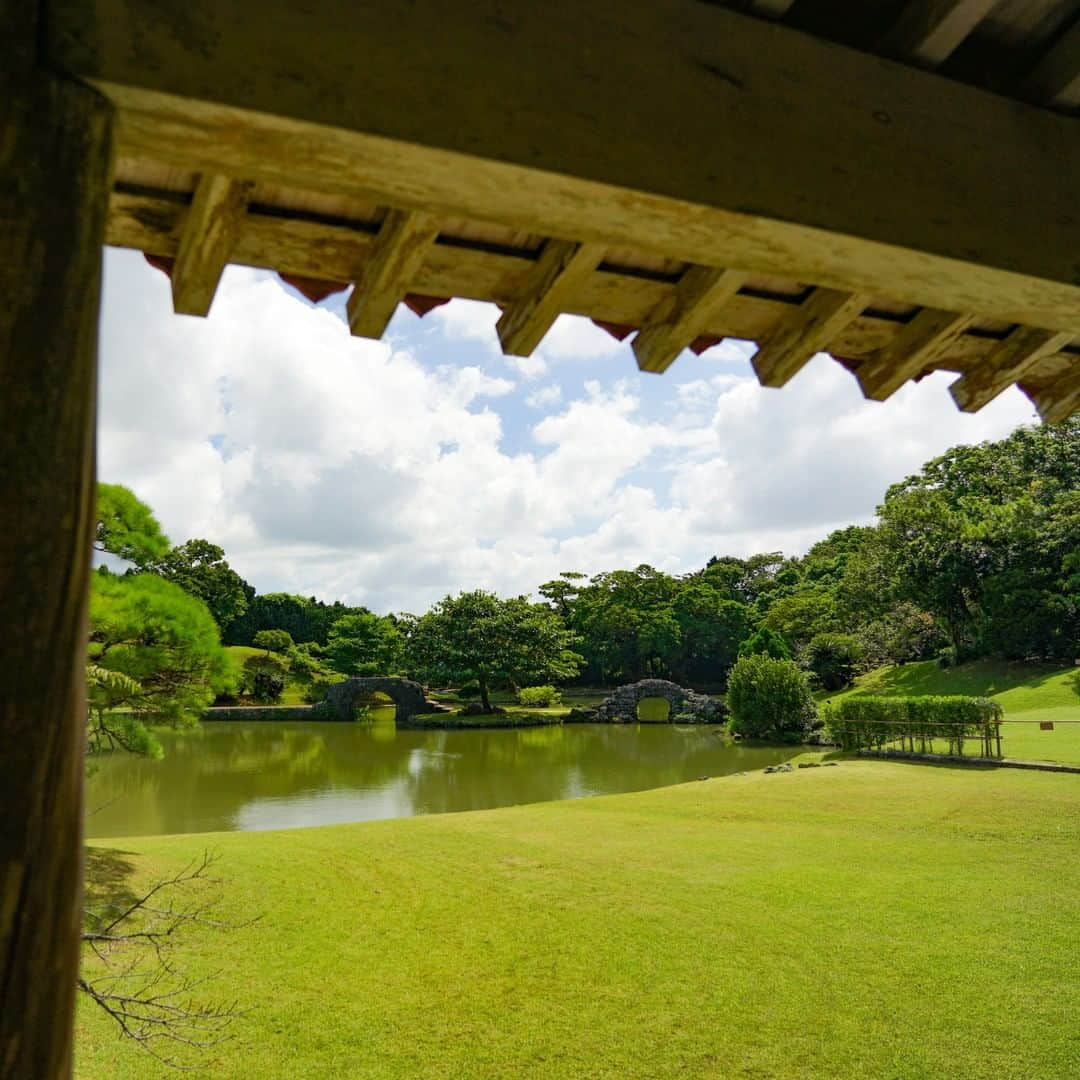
872 723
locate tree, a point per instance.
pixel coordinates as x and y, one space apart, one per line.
834 659
264 677
765 642
276 641
165 643
770 699
476 636
200 569
364 644
304 617
127 528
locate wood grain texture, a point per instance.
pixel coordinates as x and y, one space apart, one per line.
929 31
1055 79
700 297
1005 365
799 157
915 349
559 274
55 163
208 238
396 255
808 329
1061 399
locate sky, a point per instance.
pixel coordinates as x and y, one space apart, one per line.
392 473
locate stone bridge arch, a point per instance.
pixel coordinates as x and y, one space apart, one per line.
407 696
621 706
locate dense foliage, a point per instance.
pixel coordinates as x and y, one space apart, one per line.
199 568
478 636
305 618
126 527
164 642
770 699
364 644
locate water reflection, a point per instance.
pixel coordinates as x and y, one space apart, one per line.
281 775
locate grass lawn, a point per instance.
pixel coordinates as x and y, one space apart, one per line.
876 919
1028 693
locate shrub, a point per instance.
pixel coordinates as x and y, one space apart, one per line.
264 677
539 696
871 723
834 659
769 699
316 691
275 641
469 690
765 642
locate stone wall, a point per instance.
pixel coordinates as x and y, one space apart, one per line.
266 712
621 706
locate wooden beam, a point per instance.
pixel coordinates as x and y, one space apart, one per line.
208 239
403 241
922 342
807 330
771 9
925 212
1060 400
929 31
699 297
1005 365
559 273
1055 79
55 154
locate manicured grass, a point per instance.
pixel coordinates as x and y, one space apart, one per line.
511 716
1028 693
871 920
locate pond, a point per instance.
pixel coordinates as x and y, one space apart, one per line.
248 776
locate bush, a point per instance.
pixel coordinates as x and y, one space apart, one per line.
770 699
871 723
834 659
469 690
264 677
541 697
765 642
275 641
316 691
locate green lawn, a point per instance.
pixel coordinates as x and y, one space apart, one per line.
1029 693
876 919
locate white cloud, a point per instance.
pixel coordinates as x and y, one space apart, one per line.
546 395
340 467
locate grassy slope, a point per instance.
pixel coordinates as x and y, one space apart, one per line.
294 688
875 919
1027 692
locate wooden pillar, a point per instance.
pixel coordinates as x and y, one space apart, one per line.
55 149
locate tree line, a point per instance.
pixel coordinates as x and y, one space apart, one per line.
977 554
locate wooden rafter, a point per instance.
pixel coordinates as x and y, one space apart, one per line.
415 128
1055 79
209 236
559 273
319 248
1005 365
772 9
916 348
699 297
403 241
1061 399
929 31
807 330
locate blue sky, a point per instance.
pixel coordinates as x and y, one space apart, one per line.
393 473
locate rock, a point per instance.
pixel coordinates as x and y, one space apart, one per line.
703 778
830 764
809 764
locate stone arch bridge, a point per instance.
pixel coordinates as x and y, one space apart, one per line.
621 706
407 696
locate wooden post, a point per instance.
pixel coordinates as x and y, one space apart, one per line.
55 150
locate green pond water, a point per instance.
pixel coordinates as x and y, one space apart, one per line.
235 776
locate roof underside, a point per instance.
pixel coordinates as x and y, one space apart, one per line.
193 221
